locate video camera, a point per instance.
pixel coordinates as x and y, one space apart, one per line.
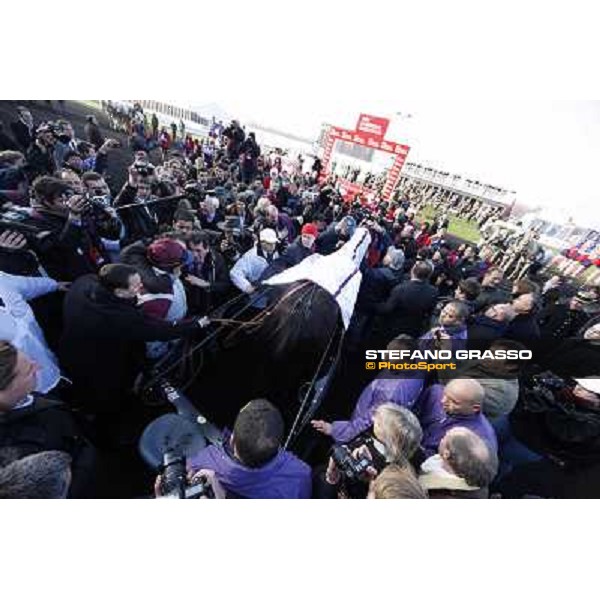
144 168
14 218
175 483
350 467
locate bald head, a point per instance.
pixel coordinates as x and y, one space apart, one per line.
469 457
463 397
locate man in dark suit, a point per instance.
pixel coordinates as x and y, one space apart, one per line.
410 304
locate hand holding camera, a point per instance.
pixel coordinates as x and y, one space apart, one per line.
77 205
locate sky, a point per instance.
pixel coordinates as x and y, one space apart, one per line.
547 151
494 89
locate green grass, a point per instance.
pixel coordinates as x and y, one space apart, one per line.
469 232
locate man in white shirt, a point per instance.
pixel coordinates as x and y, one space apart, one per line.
248 269
18 324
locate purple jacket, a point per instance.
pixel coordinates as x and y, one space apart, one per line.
283 477
436 423
458 339
385 388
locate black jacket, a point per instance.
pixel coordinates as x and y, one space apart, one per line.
524 329
559 321
376 285
102 346
39 162
327 241
22 134
49 425
490 295
141 222
72 250
214 270
93 134
409 305
485 329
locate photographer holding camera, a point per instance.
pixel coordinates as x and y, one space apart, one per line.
251 463
76 226
141 222
395 440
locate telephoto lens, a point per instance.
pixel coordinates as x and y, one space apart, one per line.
174 477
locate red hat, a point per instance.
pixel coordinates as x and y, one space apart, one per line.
310 229
165 253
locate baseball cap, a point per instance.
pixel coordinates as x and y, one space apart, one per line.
268 235
310 229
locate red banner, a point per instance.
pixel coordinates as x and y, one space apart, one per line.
374 127
369 141
369 132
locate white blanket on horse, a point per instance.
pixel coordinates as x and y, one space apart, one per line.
337 273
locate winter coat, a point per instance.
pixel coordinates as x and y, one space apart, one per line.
402 391
409 306
102 347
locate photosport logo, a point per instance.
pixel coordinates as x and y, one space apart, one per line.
435 360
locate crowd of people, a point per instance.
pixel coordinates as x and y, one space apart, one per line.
99 287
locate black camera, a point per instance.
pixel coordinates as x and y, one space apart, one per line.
18 219
174 481
350 467
145 169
